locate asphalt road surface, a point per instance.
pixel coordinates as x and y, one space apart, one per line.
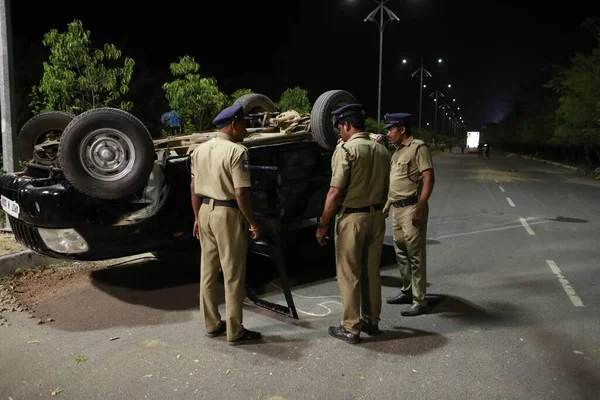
513 250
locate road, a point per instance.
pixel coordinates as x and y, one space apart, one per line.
513 274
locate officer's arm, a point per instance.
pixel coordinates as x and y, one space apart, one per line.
243 195
242 184
425 165
334 197
428 181
195 199
340 173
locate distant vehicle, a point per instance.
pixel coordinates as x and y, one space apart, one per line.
472 142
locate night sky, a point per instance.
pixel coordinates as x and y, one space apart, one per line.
488 47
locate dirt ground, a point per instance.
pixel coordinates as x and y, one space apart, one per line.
24 288
8 244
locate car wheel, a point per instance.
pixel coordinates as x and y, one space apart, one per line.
321 120
256 103
45 126
106 153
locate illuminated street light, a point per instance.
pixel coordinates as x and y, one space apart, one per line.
439 60
404 61
449 85
381 23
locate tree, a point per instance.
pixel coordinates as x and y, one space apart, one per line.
294 99
372 126
196 99
578 88
78 77
237 94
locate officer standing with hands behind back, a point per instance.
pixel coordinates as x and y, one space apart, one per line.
221 200
358 189
411 185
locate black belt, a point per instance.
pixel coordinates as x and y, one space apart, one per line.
409 201
222 203
349 210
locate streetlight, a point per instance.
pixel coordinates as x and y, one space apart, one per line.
422 71
381 23
437 93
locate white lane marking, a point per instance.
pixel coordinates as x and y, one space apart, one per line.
510 202
527 227
486 230
496 180
319 304
501 188
565 284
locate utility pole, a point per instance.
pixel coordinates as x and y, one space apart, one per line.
437 93
7 109
381 23
445 106
421 71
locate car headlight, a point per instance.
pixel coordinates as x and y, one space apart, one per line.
66 241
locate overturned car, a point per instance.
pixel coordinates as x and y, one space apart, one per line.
97 186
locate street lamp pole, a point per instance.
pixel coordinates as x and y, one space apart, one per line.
381 23
421 71
437 93
7 104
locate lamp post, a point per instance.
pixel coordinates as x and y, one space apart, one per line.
381 23
422 72
7 104
437 93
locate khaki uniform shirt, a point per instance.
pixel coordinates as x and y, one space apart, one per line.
407 165
219 166
369 174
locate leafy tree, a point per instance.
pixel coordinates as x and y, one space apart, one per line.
237 94
196 99
372 126
424 134
294 99
578 88
78 77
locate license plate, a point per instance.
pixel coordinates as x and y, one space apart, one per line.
10 207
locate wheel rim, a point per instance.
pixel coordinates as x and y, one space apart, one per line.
107 154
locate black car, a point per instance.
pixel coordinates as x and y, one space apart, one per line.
97 186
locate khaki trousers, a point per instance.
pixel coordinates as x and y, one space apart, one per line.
358 245
224 243
410 242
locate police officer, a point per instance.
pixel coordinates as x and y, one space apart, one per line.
221 199
358 190
411 184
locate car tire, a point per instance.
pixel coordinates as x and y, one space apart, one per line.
37 129
255 103
321 120
106 153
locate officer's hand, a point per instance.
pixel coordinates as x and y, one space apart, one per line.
417 216
321 238
386 211
195 230
254 231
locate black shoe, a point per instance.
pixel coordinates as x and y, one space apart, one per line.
339 332
219 331
247 337
369 329
401 298
415 310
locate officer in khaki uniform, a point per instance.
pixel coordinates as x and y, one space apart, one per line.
221 200
358 190
411 185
